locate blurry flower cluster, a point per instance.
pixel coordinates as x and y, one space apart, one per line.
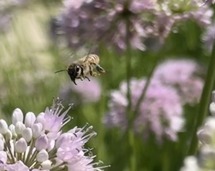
160 112
86 91
184 75
119 23
6 12
209 1
206 136
38 143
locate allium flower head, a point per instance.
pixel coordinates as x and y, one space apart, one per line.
160 112
183 75
38 143
117 23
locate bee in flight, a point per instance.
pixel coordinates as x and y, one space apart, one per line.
83 67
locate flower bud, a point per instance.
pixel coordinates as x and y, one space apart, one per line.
46 165
204 136
42 156
27 134
37 130
17 116
40 117
41 142
30 118
19 127
12 129
20 145
3 126
210 123
8 135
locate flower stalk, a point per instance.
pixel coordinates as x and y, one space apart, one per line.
204 102
129 111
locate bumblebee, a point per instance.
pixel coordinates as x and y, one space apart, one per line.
84 67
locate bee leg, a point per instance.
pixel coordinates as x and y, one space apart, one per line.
87 78
74 82
99 69
91 72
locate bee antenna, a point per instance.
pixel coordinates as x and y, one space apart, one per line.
60 70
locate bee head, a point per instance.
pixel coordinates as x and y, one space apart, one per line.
74 72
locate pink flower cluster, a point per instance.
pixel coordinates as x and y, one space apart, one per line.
183 75
161 110
113 23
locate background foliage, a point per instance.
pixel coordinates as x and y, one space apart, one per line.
28 61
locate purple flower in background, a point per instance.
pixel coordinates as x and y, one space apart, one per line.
172 12
103 20
38 143
159 113
86 91
209 1
203 16
183 75
117 23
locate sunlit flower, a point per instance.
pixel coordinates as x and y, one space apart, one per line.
121 23
183 75
190 163
160 112
38 143
206 136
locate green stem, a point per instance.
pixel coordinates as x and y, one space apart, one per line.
58 167
129 111
141 98
128 77
204 102
130 133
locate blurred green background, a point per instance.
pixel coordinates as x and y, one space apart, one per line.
29 59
